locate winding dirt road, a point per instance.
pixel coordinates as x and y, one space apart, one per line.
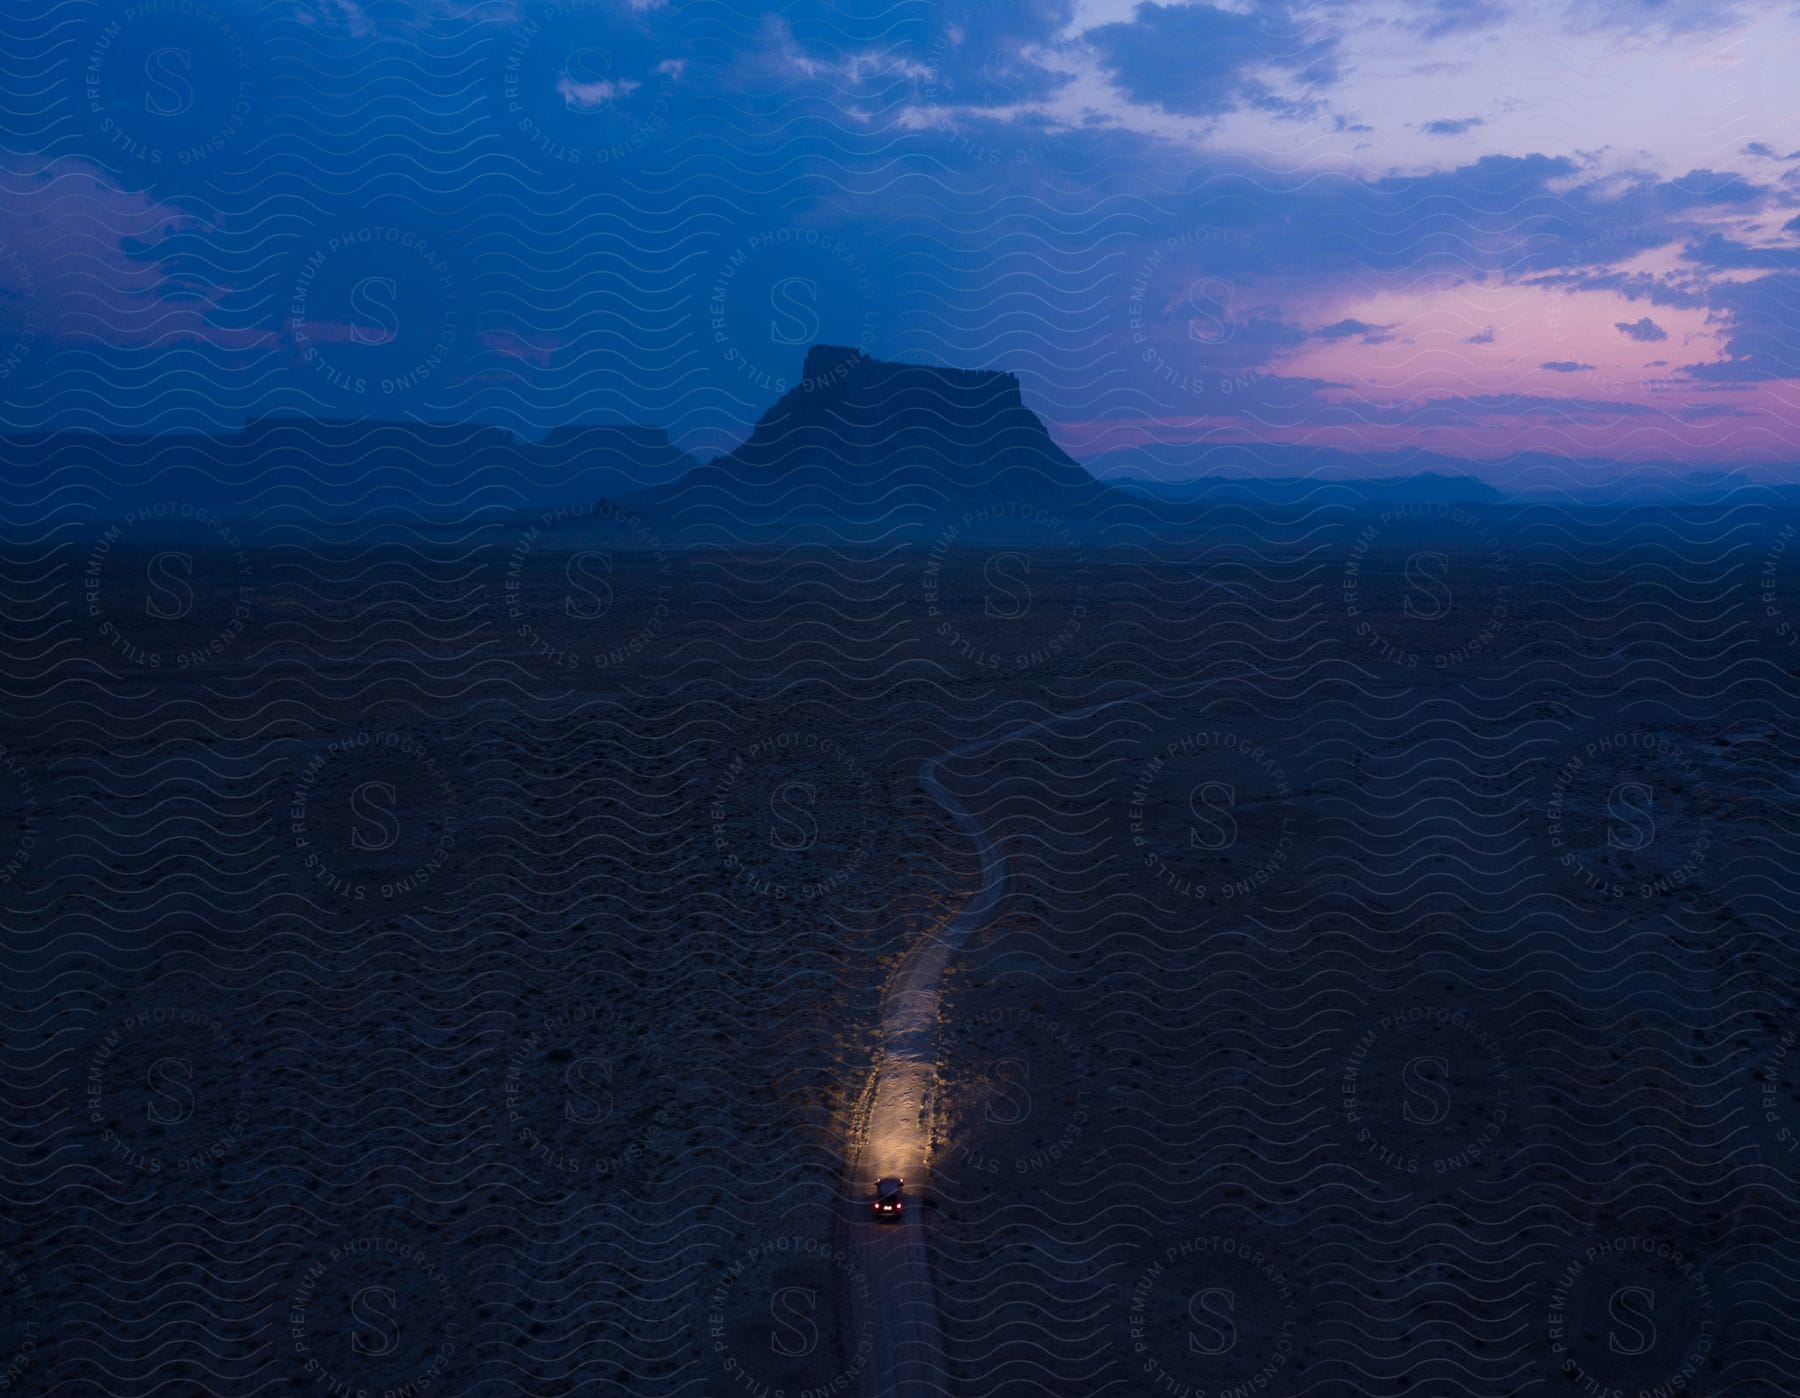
907 1358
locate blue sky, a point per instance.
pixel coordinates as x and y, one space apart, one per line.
1478 228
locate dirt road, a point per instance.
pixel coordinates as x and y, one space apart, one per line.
908 1356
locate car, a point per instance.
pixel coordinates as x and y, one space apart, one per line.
889 1205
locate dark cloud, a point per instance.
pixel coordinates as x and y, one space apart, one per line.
1200 60
1645 330
1327 228
1348 329
1530 220
1598 223
1633 286
1482 337
1702 188
1758 148
1566 366
978 54
1546 222
1451 126
1717 251
1764 343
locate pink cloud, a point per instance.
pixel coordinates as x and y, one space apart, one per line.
536 349
83 259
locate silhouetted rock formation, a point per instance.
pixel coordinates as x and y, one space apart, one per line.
868 448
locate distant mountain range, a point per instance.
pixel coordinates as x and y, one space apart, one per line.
1426 488
324 468
1164 468
860 449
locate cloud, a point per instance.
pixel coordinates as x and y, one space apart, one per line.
1499 222
1736 370
1604 221
1721 252
1764 341
1346 329
1530 221
586 97
1522 218
1644 331
1201 60
97 262
1633 286
1451 126
1699 189
1669 16
533 348
1460 16
1758 148
343 16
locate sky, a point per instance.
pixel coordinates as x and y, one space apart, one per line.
1479 229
